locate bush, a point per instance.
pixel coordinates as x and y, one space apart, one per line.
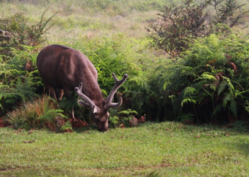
177 27
209 82
19 80
116 55
21 33
37 114
122 118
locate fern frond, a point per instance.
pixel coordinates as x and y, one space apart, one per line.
229 84
234 107
222 86
206 76
128 112
24 89
189 91
216 110
51 114
188 100
140 81
213 87
238 93
227 98
246 106
186 117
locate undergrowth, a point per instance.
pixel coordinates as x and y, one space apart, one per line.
37 114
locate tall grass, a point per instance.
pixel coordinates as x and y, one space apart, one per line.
77 18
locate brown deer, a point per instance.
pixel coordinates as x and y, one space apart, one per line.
63 68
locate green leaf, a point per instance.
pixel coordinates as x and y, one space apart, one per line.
188 100
234 107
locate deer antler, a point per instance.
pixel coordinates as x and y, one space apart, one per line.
88 102
109 99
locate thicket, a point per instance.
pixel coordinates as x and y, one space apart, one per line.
207 79
208 83
19 80
178 26
117 55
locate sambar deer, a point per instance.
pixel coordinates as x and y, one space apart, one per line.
63 68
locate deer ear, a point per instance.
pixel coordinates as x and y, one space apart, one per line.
83 104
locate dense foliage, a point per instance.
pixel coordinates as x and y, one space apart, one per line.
206 82
178 26
19 80
209 82
38 113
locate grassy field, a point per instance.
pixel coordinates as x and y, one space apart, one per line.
76 19
153 149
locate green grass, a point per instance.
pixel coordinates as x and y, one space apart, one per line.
76 19
163 149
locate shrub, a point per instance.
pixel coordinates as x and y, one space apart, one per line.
19 80
209 82
22 33
37 114
177 27
122 118
116 55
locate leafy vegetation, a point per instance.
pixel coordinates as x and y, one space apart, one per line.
123 118
210 80
205 80
17 83
39 113
21 34
206 83
177 27
19 80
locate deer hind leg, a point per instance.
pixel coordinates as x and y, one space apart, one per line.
51 91
59 94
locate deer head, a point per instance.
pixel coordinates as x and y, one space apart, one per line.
99 108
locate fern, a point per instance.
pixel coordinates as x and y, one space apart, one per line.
228 97
188 100
189 91
37 113
229 84
128 112
234 107
222 86
206 76
24 90
217 109
114 120
246 106
66 126
186 117
50 115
